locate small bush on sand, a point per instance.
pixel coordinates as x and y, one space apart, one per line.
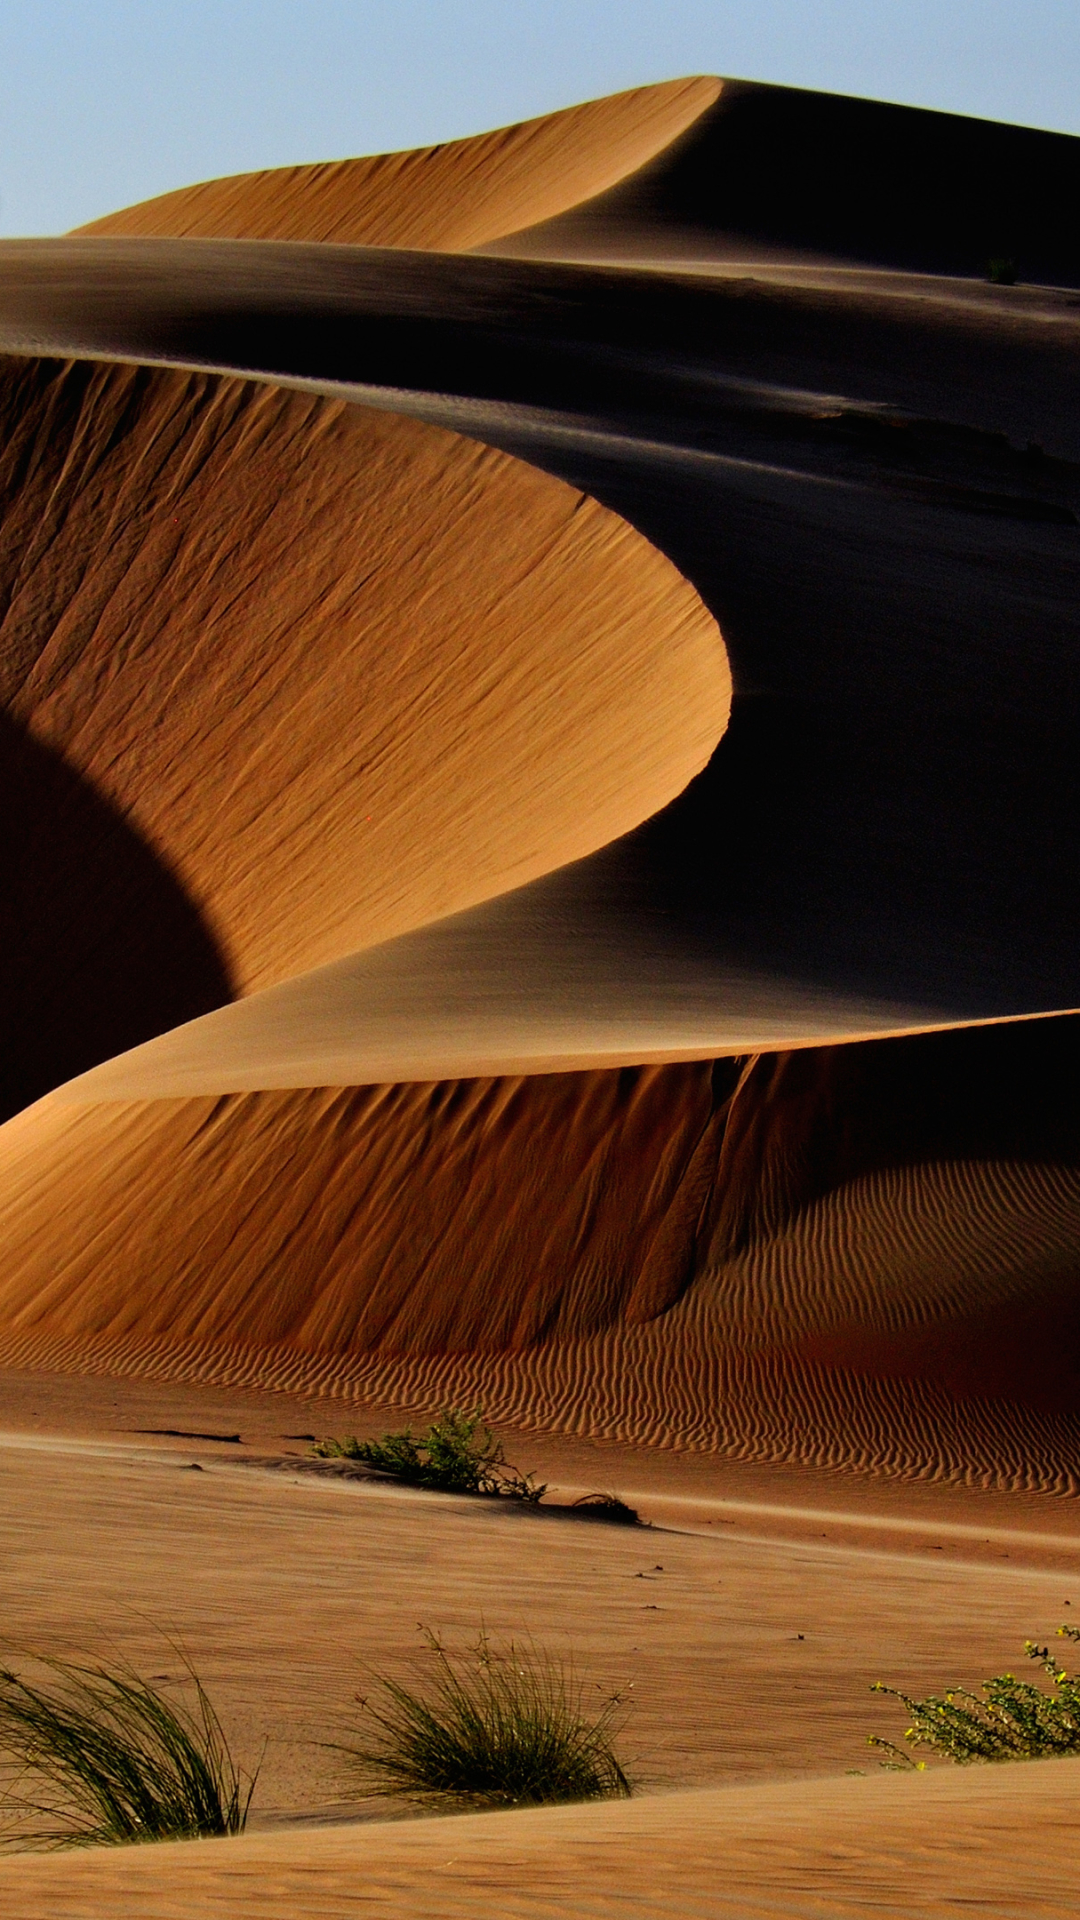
1001 272
99 1757
490 1728
607 1507
457 1454
1008 1719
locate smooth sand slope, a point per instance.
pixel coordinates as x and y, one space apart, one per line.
847 1848
447 198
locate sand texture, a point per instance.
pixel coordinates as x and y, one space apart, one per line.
847 1848
874 492
540 712
819 1257
319 673
286 1587
445 198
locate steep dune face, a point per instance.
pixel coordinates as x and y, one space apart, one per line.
444 198
860 1256
783 175
467 1215
334 672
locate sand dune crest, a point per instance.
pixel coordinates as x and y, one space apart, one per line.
337 671
445 198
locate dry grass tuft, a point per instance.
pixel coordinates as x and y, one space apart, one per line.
490 1728
100 1757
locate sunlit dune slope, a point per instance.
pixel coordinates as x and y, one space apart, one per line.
449 197
859 1256
324 673
781 175
932 1846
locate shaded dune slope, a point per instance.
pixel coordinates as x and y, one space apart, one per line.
782 175
877 498
449 197
330 672
861 1256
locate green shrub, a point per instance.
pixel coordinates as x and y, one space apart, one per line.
457 1454
1001 272
490 1729
1008 1719
100 1758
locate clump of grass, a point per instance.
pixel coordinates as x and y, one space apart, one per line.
1001 272
1008 1719
607 1507
491 1728
457 1454
100 1757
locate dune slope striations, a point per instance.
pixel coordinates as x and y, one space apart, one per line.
361 640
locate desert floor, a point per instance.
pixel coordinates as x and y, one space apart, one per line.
744 1622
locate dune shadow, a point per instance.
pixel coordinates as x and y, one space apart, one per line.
101 947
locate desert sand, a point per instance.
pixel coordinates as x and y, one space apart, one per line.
540 713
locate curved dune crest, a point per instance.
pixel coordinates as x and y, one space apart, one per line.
445 198
788 177
340 671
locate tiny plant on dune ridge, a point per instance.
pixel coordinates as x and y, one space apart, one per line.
457 1454
491 1728
1008 1719
100 1757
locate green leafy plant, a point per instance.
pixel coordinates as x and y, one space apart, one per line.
491 1728
1001 272
457 1454
1008 1719
99 1757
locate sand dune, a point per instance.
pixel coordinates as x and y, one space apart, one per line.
821 1257
849 1847
333 671
789 178
449 197
467 863
847 481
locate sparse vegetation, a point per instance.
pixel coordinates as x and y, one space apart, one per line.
99 1757
1001 272
491 1728
1008 1719
607 1507
457 1454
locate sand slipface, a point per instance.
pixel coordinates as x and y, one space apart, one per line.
304 654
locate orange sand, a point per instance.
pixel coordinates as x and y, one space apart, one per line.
445 198
849 1848
687 1255
337 672
285 1586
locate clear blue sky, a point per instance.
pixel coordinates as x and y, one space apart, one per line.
105 103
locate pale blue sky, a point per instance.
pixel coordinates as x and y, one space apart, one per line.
105 103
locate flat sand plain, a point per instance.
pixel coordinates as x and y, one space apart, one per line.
745 1622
